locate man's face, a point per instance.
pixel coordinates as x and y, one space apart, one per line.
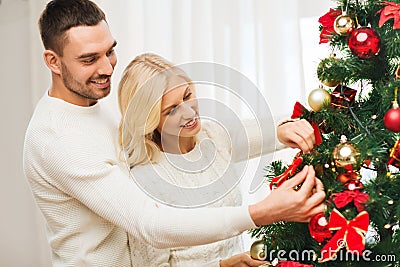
88 62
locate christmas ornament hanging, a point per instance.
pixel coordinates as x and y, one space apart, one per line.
318 227
258 250
345 154
318 98
392 116
324 70
364 42
343 24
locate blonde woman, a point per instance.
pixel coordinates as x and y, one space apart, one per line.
163 137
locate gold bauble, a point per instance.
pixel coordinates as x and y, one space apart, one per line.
343 24
318 98
345 154
330 83
258 250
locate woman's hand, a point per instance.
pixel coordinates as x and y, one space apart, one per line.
241 260
297 134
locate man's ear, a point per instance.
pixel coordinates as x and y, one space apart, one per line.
52 61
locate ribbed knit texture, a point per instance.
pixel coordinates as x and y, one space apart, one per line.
88 199
170 167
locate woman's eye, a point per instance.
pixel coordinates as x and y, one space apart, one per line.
172 111
187 96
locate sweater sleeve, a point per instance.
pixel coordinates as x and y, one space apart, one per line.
86 171
247 140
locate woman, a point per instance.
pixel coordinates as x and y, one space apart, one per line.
163 136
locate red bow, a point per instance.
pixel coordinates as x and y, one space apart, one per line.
391 10
349 233
344 198
327 22
278 180
298 111
292 264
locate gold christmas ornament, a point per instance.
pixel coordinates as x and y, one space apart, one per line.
258 250
324 67
343 24
318 98
345 154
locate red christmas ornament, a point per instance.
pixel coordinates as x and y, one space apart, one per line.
354 185
364 42
318 227
392 119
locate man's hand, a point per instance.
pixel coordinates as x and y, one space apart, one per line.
297 134
286 204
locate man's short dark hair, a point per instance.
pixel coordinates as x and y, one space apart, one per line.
61 15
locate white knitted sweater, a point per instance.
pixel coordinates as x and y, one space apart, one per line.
88 200
214 151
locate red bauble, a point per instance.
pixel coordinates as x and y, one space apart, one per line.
392 120
364 42
318 227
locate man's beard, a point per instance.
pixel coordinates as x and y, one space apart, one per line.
78 88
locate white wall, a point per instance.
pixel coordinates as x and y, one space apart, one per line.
22 239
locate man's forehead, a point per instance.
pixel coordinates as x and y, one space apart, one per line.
90 39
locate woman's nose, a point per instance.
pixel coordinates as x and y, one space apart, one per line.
187 110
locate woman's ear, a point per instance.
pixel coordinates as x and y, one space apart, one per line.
52 61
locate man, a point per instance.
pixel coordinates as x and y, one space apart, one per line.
71 159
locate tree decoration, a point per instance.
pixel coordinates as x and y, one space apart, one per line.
324 68
343 24
364 42
343 96
258 250
392 116
318 98
359 199
390 11
394 157
326 22
345 154
349 234
318 227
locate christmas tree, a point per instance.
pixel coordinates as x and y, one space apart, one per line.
356 118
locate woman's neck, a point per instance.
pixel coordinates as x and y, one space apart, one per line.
177 145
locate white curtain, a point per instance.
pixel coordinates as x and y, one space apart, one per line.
258 38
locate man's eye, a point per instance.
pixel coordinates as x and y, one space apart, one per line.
109 53
89 60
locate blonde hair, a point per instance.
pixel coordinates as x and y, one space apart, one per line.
140 91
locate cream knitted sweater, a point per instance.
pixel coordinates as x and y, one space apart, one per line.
88 200
213 159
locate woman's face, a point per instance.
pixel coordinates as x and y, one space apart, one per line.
179 110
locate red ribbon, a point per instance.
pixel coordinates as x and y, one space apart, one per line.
278 180
298 111
292 264
343 198
391 10
327 22
349 233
